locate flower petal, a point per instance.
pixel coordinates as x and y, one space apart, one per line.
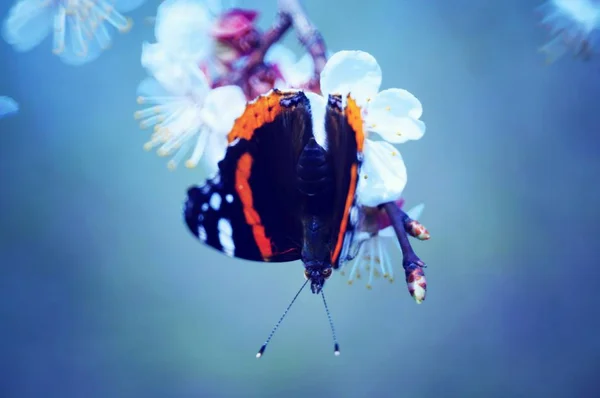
415 212
383 174
75 41
223 105
280 55
27 24
183 27
177 77
302 71
387 232
299 73
216 146
154 56
149 87
355 72
394 114
8 106
317 109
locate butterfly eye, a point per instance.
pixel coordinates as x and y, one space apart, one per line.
327 273
307 274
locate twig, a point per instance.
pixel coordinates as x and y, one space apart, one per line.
290 15
412 264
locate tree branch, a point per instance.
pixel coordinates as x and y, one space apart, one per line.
412 264
290 15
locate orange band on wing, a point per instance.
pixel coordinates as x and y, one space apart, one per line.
263 110
242 174
354 118
349 200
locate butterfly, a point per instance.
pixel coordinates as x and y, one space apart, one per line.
286 188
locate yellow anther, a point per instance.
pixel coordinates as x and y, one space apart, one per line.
190 164
127 27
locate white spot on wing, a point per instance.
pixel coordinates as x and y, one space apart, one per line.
229 198
225 227
225 236
215 201
204 207
202 233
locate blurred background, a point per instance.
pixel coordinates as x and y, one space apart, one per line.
104 292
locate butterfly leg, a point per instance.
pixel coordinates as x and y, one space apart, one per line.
412 264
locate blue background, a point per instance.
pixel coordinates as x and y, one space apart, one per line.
104 293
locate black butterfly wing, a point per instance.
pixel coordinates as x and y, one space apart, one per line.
252 209
345 141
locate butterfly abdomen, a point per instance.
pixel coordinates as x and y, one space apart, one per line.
313 171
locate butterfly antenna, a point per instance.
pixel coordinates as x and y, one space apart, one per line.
264 346
336 346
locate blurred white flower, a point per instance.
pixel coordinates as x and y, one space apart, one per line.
377 252
392 114
187 116
81 29
574 26
8 106
182 30
295 72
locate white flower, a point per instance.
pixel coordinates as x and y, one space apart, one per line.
8 106
392 114
81 29
295 72
378 252
187 116
572 23
182 30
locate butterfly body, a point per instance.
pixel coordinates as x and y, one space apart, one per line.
280 196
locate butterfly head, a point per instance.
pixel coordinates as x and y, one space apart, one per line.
317 273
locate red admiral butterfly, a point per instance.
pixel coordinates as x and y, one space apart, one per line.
280 195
